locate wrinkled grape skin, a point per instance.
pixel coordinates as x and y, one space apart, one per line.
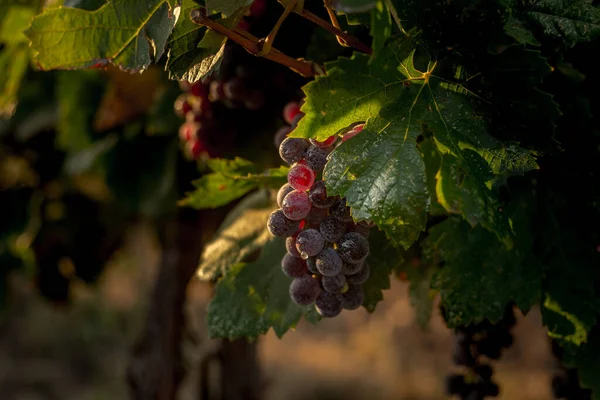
353 298
340 211
309 243
328 262
283 191
301 177
318 196
332 229
353 248
292 150
295 205
290 246
293 267
304 290
328 304
333 284
316 157
351 269
360 277
281 226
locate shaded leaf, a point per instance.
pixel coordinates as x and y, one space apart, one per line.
587 362
354 6
381 26
226 7
129 34
230 180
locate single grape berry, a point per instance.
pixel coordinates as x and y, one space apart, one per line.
318 196
456 385
488 389
328 304
290 246
326 143
304 290
484 371
283 191
234 89
334 284
293 267
311 264
281 226
328 262
360 277
332 229
195 147
309 243
316 158
489 348
182 105
353 248
189 131
281 134
301 177
341 211
351 269
290 111
295 205
292 150
353 298
315 216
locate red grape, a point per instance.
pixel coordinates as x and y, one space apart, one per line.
301 177
295 205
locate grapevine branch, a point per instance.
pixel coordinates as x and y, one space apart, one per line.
303 67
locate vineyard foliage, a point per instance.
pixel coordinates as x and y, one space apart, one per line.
478 161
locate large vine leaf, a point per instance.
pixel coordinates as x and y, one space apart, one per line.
130 34
570 21
226 7
474 264
194 51
230 180
381 171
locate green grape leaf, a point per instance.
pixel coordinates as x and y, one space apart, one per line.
239 236
226 7
129 34
381 171
474 264
230 180
585 359
194 51
383 259
79 94
571 21
381 27
432 159
354 6
254 297
89 5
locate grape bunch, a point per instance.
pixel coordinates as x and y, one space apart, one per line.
565 381
326 249
472 342
196 132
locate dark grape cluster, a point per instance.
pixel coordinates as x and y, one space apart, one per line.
198 130
565 381
326 249
473 342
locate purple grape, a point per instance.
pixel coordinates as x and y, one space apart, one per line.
293 267
234 89
290 246
353 297
328 304
351 269
312 265
281 226
328 262
353 248
304 290
318 196
281 134
341 211
292 150
316 157
295 205
309 243
332 229
363 230
283 191
334 284
315 216
360 277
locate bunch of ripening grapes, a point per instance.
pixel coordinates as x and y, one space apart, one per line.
326 249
